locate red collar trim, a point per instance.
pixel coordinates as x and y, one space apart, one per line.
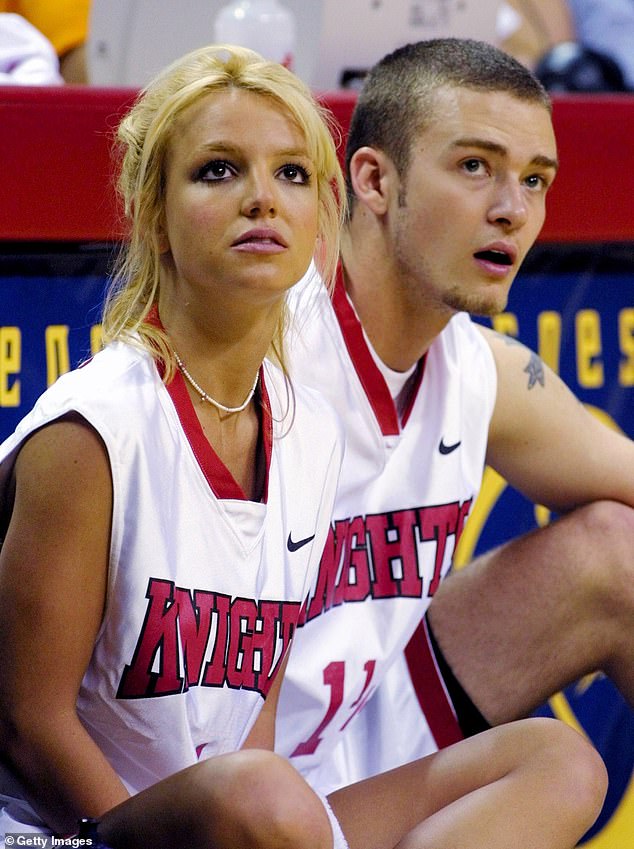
413 395
217 475
373 382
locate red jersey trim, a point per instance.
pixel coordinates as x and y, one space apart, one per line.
220 480
430 691
420 371
373 382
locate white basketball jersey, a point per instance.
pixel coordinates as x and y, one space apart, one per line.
406 488
205 587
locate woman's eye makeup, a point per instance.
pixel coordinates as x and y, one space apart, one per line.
216 169
295 173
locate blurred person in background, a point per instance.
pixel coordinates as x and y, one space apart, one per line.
26 56
572 45
528 29
65 24
607 27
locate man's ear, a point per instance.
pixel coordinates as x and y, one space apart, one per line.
372 175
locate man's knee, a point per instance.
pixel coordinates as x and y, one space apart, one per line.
608 522
608 530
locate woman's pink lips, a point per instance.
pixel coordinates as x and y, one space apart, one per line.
261 240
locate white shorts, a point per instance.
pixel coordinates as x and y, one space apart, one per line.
339 841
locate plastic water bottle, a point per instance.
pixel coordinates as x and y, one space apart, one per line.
263 25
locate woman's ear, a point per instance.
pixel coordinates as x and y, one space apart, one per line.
162 241
372 175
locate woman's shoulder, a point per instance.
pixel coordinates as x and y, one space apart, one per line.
102 390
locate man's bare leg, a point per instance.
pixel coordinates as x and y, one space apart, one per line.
538 613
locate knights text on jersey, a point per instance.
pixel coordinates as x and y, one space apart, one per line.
406 489
205 588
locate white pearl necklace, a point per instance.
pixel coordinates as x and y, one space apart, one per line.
204 396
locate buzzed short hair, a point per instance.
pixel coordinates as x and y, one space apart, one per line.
397 100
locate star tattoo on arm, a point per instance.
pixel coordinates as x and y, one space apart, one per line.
534 369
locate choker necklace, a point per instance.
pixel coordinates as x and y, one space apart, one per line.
205 397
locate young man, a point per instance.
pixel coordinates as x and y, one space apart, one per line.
451 153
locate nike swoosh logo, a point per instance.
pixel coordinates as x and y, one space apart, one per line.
447 449
295 546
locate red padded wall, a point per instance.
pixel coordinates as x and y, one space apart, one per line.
55 146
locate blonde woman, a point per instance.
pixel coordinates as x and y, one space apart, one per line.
165 505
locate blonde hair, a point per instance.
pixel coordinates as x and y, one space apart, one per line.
144 136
